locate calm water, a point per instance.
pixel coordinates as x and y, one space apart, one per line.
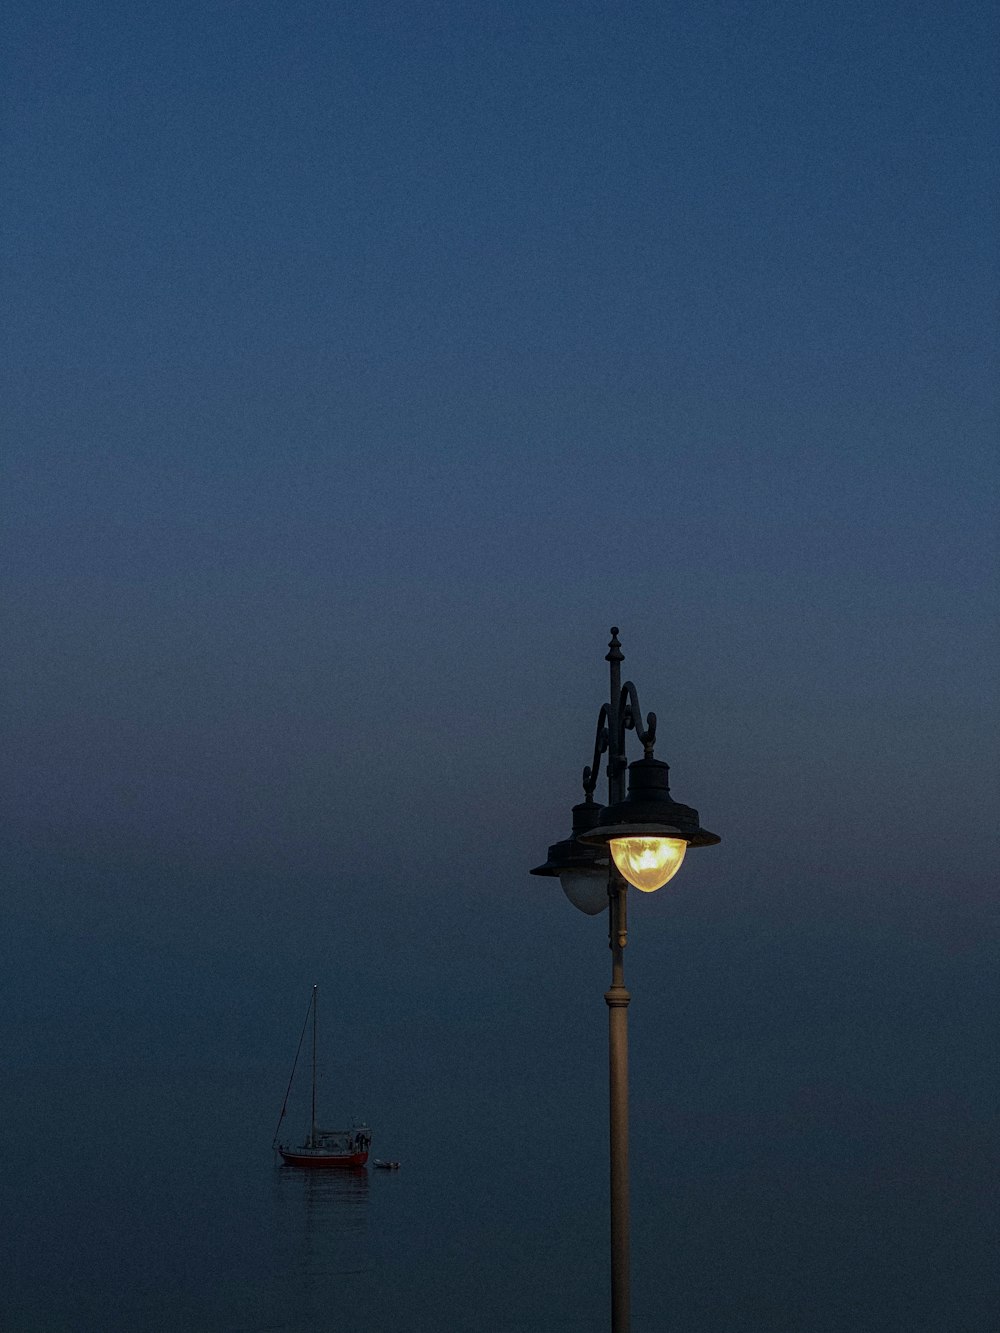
142 1201
138 1199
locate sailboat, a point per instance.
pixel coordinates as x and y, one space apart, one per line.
323 1147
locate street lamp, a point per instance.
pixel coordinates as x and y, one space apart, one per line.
639 838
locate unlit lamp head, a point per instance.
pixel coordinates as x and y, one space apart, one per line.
586 889
582 871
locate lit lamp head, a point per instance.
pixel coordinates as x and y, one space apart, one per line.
649 832
581 870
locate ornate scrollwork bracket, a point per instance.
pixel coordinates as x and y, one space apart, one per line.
601 742
629 719
631 716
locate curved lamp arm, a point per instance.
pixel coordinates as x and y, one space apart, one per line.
590 773
631 716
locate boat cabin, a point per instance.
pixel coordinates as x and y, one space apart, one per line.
356 1139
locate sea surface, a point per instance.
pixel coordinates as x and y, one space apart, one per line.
814 1125
145 1199
151 1200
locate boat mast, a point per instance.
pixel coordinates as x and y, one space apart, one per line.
312 1136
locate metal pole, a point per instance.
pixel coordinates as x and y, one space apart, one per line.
617 999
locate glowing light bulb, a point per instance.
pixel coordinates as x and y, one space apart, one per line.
648 863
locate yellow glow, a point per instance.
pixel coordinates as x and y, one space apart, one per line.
648 863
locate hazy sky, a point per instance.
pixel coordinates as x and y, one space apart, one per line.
363 364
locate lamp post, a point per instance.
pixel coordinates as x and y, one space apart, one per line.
639 838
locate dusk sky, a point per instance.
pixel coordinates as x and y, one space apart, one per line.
363 364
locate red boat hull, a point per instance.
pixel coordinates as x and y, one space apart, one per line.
313 1161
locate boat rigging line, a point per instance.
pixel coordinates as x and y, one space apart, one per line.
298 1052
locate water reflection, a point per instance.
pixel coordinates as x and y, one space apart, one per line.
322 1220
322 1245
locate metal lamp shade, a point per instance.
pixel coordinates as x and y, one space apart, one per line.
649 811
